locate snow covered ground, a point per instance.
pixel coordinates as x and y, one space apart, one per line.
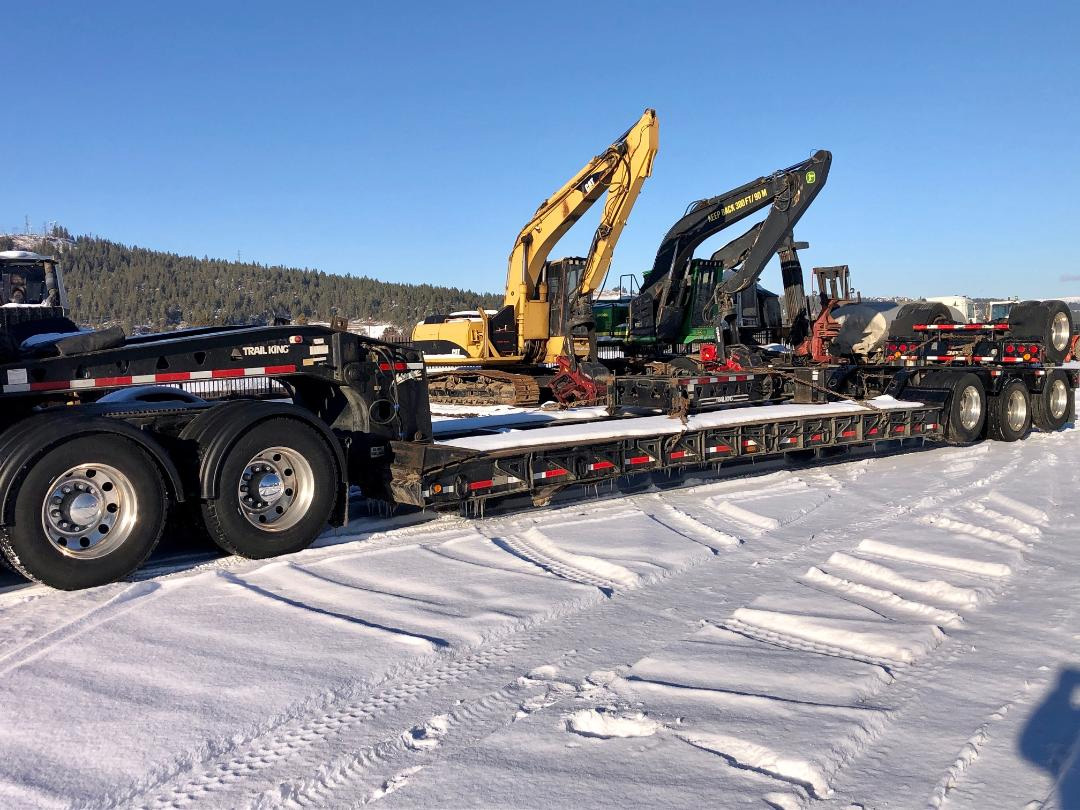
887 632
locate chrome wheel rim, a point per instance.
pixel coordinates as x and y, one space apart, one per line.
1059 399
276 489
970 407
89 511
1016 410
1060 331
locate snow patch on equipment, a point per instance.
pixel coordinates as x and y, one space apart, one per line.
965 565
606 726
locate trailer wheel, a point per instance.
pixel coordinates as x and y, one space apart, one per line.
88 512
1048 322
1009 412
277 489
965 409
903 325
1050 408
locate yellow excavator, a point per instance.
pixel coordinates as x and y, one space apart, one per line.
503 356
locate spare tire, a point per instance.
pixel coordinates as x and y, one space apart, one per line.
903 325
1048 322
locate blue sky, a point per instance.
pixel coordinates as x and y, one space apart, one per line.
412 141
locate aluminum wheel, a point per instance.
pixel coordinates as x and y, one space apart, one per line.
970 407
89 511
276 489
1060 331
1059 399
1016 410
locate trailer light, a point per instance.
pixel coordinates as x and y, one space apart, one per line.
436 488
296 338
1034 350
1010 349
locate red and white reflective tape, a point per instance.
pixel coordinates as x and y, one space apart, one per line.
725 378
148 379
633 460
931 426
600 465
399 366
790 440
750 444
847 434
488 483
958 327
674 454
546 474
718 448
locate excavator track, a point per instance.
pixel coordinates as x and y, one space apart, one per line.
483 387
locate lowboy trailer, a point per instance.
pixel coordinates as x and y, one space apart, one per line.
98 444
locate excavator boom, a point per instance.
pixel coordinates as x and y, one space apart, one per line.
620 170
659 308
544 300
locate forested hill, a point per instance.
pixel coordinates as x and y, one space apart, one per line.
112 283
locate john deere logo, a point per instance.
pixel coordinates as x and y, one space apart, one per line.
811 177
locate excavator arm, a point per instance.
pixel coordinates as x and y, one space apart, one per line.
620 170
658 310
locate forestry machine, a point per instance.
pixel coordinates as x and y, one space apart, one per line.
498 357
684 302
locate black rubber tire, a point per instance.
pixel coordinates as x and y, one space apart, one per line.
29 551
1034 320
1013 393
956 383
1042 414
903 324
223 516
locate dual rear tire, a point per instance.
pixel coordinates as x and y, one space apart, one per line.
88 511
276 490
91 509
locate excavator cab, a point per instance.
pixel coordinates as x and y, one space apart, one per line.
563 281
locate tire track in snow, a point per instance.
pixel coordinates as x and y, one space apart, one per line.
252 757
238 772
131 596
